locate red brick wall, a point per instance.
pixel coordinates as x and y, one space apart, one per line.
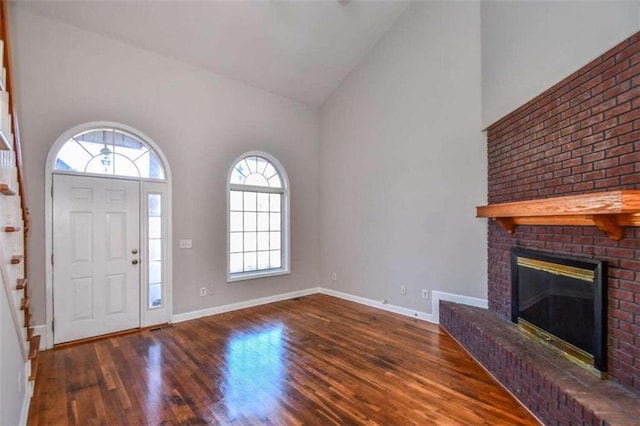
580 136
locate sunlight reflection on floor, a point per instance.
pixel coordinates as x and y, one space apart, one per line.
255 373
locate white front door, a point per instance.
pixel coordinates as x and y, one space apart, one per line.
96 256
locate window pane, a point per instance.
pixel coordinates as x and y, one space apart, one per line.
250 203
72 157
154 166
249 221
155 272
243 168
235 263
93 147
237 176
252 163
122 166
250 261
275 240
96 165
155 249
263 202
235 221
250 240
274 182
155 227
263 260
235 200
275 221
275 202
256 180
275 259
269 171
263 241
155 205
263 221
155 295
235 242
261 164
109 151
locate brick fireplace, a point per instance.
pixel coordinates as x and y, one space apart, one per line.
580 136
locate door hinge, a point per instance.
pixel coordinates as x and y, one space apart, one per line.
51 259
53 326
51 191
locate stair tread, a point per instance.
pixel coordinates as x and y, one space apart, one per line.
34 347
22 284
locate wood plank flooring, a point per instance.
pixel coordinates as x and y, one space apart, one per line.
315 360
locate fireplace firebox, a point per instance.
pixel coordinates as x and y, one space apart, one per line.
562 302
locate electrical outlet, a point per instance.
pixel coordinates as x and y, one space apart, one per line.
334 276
203 291
425 294
403 290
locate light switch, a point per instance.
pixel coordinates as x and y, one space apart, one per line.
184 244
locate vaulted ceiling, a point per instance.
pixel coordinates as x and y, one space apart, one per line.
298 49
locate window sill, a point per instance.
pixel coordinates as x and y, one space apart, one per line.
256 274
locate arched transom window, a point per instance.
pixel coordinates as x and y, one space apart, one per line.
258 234
109 151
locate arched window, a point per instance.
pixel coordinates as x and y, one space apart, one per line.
258 217
108 151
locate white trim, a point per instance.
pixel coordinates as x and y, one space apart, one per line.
433 317
437 296
242 305
47 336
286 223
379 304
28 393
251 275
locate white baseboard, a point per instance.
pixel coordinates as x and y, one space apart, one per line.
377 304
433 317
241 305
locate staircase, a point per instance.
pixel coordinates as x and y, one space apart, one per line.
14 216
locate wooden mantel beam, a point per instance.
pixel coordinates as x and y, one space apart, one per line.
609 211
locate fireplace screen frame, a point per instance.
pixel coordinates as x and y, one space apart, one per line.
599 269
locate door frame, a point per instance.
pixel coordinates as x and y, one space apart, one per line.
147 186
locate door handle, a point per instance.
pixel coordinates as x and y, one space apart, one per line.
134 251
134 262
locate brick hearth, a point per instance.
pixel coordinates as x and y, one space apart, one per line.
554 389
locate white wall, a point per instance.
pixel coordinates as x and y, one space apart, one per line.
201 121
528 46
12 367
403 163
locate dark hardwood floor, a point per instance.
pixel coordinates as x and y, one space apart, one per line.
316 360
